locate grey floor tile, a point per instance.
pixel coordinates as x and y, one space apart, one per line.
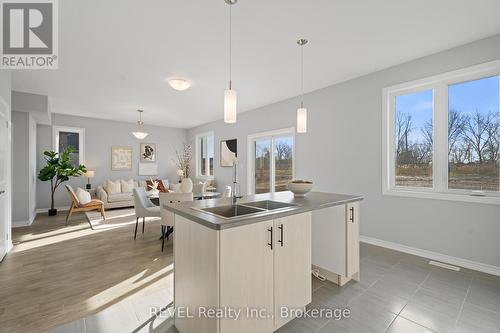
394 286
316 283
386 260
409 272
372 311
402 325
485 293
432 310
348 325
77 326
448 283
475 319
119 317
147 304
333 296
306 324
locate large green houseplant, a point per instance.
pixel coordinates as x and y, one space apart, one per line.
59 169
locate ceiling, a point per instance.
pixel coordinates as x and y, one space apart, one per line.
115 55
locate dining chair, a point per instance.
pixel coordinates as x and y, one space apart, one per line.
167 217
143 207
76 206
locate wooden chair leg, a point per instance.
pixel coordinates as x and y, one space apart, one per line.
163 231
143 223
69 214
102 213
136 224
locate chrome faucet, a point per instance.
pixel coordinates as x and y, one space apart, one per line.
234 197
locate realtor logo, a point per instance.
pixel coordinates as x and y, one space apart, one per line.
29 34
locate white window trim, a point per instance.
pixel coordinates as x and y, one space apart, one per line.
81 137
439 85
250 155
197 157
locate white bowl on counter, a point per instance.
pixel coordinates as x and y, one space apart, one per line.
300 188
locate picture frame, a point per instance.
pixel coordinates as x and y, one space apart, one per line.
228 152
121 158
148 153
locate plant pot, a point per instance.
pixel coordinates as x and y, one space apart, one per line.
52 212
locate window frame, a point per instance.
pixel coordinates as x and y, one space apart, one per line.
81 140
207 175
439 85
251 154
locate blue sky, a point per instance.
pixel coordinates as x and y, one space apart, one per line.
467 97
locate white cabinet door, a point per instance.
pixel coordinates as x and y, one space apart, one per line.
5 143
246 277
352 218
292 264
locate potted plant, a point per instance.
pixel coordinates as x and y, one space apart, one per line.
58 170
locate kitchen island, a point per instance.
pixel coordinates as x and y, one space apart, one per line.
247 267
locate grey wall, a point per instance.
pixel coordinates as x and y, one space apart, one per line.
342 152
21 172
100 135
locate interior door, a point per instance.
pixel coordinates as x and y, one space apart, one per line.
292 265
4 179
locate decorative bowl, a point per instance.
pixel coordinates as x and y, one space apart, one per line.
300 187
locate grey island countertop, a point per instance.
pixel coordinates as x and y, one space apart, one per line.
312 201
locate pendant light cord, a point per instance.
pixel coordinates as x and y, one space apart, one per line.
302 76
230 46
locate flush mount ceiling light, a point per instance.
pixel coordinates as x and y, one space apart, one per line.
179 84
302 111
139 132
230 97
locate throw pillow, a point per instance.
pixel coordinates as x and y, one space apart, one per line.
161 186
112 187
127 186
83 196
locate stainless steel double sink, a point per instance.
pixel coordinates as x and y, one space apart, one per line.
248 208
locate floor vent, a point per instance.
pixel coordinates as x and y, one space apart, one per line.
443 265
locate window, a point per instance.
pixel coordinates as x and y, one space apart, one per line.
205 155
271 157
70 136
442 134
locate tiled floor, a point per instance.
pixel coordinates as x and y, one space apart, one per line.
397 293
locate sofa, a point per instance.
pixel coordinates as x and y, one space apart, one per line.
122 197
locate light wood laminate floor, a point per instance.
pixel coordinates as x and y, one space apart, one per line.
58 273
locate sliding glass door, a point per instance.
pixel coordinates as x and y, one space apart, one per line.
272 161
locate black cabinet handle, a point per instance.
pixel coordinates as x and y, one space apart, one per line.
281 235
271 231
2 192
352 214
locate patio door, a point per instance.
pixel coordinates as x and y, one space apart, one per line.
271 161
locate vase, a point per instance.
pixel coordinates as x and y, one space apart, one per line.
186 185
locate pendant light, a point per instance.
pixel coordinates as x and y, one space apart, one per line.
139 130
302 111
230 94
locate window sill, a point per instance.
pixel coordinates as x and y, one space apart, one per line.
461 197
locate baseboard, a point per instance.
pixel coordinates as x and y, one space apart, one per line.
474 265
17 224
44 210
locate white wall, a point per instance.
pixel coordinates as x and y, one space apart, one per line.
100 135
5 228
342 152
